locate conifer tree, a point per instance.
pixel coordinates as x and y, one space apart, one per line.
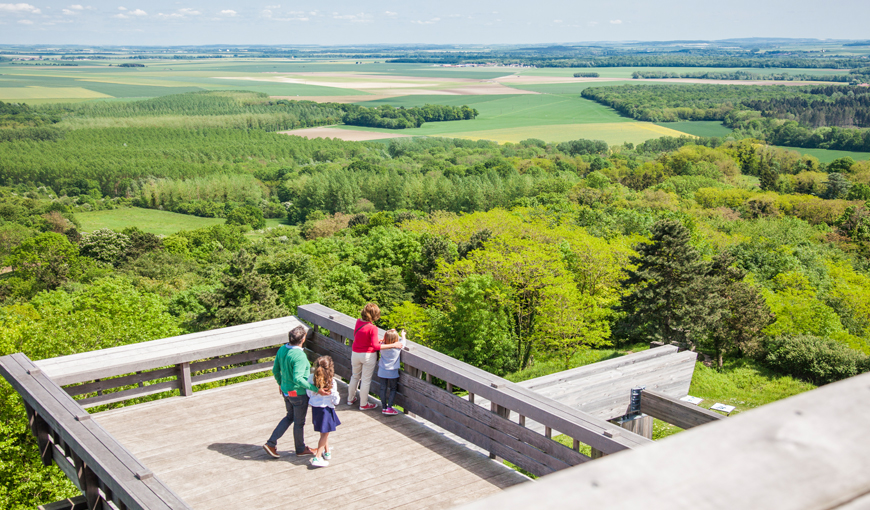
670 298
244 296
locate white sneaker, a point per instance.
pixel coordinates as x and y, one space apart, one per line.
318 462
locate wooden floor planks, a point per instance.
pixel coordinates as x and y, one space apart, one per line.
208 449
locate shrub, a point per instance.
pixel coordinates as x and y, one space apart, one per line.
247 215
815 359
105 245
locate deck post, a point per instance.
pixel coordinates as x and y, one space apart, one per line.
640 424
185 383
42 439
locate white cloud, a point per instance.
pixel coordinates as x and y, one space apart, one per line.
391 13
20 9
77 7
139 12
353 18
121 16
68 12
122 8
289 16
228 12
179 14
427 22
616 22
25 22
592 23
557 21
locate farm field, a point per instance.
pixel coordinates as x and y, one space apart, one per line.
826 156
514 103
698 128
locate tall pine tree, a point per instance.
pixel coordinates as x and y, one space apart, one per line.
671 297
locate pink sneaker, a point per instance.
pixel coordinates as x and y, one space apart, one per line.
390 411
368 407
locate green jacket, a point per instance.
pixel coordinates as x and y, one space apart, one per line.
291 370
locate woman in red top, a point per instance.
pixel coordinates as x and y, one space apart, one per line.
364 358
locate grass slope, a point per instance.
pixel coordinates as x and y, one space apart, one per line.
149 220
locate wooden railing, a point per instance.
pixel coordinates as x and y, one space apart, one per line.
427 384
177 363
99 466
429 381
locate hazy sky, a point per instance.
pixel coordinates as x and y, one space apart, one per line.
162 22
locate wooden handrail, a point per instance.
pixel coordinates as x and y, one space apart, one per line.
100 466
437 406
675 411
177 359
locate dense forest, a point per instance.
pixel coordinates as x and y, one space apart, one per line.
221 109
854 77
507 256
808 116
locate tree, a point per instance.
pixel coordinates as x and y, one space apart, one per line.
477 327
569 322
244 296
48 259
745 315
671 299
247 215
837 186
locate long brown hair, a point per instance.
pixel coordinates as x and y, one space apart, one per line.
324 373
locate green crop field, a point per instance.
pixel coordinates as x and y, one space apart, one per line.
698 128
826 156
149 220
549 117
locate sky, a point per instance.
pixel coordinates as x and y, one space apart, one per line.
343 22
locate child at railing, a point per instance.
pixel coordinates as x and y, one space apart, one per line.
388 371
323 407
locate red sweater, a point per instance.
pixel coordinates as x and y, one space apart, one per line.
365 337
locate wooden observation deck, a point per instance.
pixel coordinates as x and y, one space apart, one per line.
203 449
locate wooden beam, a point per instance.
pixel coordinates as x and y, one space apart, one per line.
167 352
807 452
94 448
675 411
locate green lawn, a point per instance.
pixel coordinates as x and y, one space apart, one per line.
698 128
149 220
